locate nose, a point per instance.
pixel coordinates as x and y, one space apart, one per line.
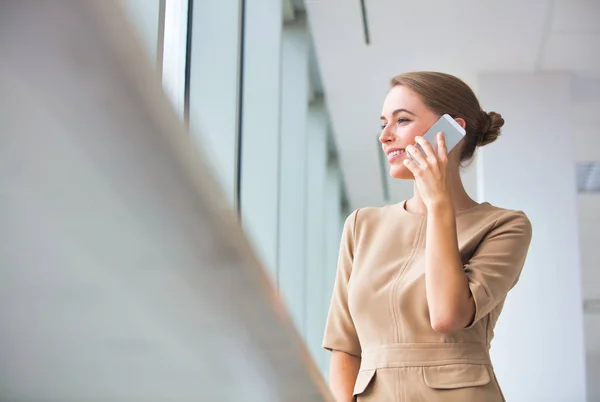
387 135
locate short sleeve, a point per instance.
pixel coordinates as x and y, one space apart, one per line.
496 265
340 333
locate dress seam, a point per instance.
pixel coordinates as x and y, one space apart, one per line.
397 329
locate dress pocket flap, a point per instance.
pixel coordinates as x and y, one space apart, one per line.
363 380
454 376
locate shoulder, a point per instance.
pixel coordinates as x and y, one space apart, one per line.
505 220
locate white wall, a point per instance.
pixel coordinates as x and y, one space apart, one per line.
587 145
539 353
589 224
585 131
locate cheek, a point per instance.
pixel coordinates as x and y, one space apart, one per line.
409 132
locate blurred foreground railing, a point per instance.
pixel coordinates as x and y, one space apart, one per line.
123 276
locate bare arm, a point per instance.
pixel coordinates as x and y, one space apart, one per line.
451 306
458 296
343 371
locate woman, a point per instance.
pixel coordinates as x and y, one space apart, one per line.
420 284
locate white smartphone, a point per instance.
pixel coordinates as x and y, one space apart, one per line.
453 133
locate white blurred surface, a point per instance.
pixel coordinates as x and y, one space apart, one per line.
123 274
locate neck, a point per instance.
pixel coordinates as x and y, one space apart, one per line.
459 196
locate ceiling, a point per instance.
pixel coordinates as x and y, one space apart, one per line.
464 37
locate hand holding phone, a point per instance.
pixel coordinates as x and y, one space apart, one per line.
453 133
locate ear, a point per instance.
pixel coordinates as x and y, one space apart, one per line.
461 122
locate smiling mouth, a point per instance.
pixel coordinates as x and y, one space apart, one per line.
395 153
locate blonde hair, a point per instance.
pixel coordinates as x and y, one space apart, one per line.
444 93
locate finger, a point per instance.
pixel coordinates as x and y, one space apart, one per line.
412 166
426 147
412 159
416 155
441 145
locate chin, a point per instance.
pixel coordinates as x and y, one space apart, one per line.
401 172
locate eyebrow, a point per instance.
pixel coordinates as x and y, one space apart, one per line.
395 112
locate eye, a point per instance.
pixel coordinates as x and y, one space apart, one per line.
400 121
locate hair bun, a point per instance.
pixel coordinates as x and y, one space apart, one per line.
488 129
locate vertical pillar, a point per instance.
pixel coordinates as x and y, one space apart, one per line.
316 169
175 41
145 16
292 184
539 350
259 145
213 85
334 222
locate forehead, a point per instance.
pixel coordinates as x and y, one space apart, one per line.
400 97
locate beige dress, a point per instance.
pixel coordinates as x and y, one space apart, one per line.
379 309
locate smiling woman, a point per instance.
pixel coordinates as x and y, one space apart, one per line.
421 284
427 96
